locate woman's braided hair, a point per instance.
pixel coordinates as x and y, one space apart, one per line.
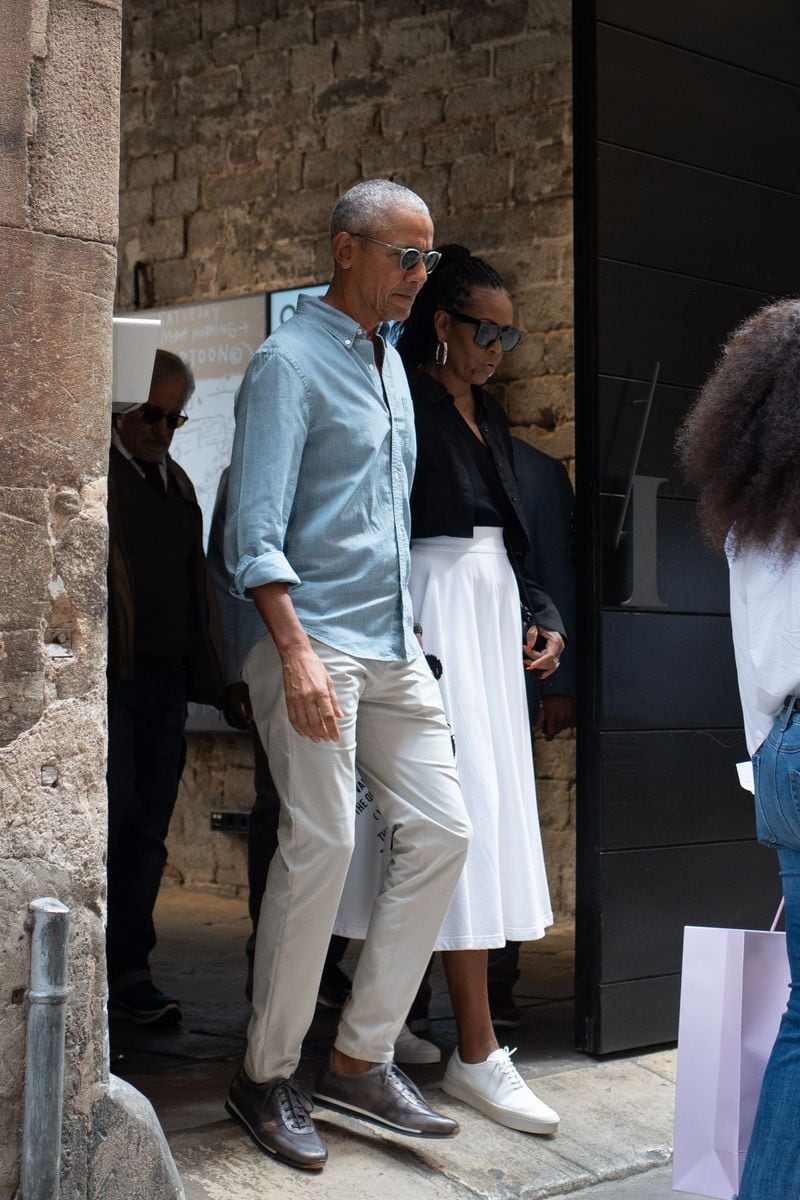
449 286
740 444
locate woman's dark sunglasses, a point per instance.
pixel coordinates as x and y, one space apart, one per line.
409 255
487 332
151 415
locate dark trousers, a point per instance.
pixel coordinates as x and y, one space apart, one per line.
262 842
504 965
146 719
262 829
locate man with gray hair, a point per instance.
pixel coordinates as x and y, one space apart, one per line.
160 654
317 538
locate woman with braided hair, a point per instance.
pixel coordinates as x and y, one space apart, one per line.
469 588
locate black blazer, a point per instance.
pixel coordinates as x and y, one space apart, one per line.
442 501
548 502
205 673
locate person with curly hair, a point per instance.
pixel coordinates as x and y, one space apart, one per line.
740 445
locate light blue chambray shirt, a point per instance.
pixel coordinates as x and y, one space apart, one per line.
322 464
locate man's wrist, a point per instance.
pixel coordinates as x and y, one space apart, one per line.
290 648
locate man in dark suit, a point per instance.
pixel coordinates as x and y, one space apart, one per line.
160 655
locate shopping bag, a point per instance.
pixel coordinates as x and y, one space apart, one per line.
734 991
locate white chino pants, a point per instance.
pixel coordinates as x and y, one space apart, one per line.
394 728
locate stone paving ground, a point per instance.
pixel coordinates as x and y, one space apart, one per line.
616 1114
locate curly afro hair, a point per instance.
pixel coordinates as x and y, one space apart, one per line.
740 444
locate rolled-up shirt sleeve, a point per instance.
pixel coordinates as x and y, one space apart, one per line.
272 420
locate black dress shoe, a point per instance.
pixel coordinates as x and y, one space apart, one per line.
276 1115
385 1095
144 1004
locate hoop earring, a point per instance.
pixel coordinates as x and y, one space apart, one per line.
441 354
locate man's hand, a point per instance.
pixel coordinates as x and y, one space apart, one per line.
556 714
236 706
543 662
311 700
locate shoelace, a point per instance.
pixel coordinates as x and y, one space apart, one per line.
295 1103
509 1070
403 1083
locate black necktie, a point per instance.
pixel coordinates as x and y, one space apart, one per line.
152 473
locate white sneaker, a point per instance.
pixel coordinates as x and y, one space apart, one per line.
412 1049
497 1089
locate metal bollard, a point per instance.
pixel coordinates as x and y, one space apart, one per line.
44 1060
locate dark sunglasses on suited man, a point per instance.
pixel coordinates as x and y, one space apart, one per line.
487 332
151 414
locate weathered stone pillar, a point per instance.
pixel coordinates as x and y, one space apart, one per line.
59 145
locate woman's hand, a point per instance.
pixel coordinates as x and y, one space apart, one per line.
543 662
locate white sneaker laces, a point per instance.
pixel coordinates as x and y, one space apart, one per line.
509 1070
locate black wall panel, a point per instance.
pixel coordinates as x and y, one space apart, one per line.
662 671
649 896
760 36
651 793
687 201
696 110
690 577
647 316
638 1012
680 218
620 415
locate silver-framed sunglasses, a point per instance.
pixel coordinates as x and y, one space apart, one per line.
409 255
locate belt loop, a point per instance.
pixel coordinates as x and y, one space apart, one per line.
788 711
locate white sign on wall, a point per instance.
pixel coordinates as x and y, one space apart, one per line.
216 339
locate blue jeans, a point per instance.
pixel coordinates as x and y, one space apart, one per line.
772 1167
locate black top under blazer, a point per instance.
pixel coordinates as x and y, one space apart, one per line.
442 500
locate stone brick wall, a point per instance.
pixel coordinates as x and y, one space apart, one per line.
59 96
242 120
57 246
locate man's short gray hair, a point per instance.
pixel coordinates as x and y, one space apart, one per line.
167 365
363 206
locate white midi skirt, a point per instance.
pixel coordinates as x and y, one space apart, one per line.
465 597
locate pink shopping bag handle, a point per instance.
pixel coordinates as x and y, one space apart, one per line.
774 924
